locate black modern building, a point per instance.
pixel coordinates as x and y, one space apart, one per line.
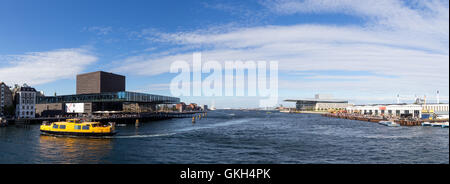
100 82
101 92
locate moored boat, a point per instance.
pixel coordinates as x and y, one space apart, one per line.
445 125
426 124
76 127
437 124
389 123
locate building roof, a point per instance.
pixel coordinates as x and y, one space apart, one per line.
101 72
26 88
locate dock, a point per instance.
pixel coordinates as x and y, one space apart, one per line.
377 119
119 119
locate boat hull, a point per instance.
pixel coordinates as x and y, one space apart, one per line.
389 124
81 134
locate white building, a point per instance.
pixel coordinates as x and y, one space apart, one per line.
411 110
25 98
437 108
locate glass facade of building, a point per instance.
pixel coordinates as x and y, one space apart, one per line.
123 96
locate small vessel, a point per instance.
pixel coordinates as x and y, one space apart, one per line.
445 125
389 123
3 122
77 127
426 124
437 124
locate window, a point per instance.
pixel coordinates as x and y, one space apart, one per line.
62 127
85 127
77 127
55 126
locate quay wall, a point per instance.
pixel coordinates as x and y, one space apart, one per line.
376 119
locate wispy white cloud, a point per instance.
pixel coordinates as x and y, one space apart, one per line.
407 41
43 67
430 16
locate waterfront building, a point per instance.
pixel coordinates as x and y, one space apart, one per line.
437 108
116 102
399 110
100 96
181 107
192 107
100 82
6 100
49 109
319 103
25 100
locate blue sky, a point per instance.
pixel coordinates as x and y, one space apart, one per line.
364 51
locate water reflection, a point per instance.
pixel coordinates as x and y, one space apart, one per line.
73 150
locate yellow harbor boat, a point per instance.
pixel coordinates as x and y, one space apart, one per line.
77 127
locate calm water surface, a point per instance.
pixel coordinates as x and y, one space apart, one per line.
235 137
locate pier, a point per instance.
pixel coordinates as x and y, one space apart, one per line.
377 119
116 118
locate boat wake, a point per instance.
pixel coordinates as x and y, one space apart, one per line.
215 125
142 136
194 128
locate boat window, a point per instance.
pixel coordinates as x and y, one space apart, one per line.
77 127
85 127
62 127
55 126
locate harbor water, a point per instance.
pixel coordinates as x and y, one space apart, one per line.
229 136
